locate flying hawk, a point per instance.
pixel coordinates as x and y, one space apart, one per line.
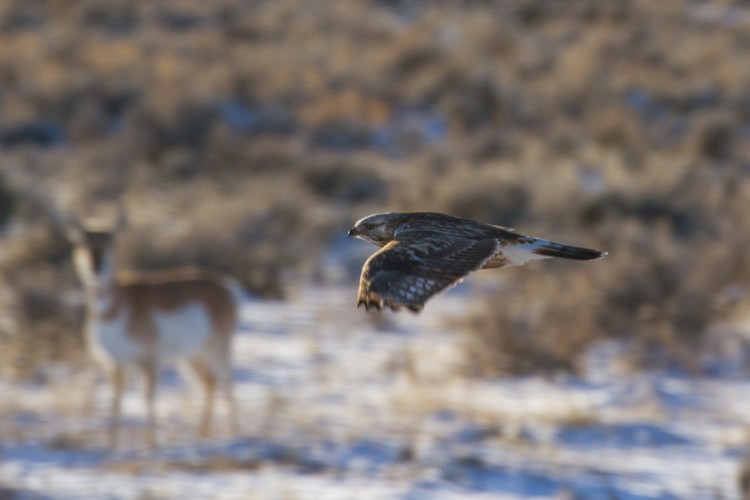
423 253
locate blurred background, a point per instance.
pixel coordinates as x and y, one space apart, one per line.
247 136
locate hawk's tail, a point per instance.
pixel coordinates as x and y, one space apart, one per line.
552 249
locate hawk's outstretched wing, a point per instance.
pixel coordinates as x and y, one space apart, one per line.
417 265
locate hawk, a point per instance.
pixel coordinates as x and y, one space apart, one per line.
423 253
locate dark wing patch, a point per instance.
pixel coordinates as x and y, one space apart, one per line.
554 249
410 270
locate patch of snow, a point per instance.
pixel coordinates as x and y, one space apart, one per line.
337 403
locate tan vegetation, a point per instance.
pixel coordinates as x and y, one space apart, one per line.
249 133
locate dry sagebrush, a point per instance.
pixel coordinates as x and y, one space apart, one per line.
251 132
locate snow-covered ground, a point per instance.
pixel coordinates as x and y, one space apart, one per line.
335 403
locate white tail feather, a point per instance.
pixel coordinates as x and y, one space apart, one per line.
518 255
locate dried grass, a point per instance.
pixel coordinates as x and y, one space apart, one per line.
267 127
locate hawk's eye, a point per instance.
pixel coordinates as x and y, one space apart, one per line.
369 226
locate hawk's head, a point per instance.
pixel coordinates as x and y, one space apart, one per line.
377 228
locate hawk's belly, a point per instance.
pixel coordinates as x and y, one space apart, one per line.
497 260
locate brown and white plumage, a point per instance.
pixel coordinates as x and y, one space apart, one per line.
423 253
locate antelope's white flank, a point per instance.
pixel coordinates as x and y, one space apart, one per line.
150 320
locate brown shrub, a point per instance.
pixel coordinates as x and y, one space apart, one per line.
345 182
536 322
42 322
243 135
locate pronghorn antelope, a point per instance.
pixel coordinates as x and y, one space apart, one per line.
149 320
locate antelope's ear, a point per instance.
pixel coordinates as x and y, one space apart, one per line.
68 224
73 229
122 219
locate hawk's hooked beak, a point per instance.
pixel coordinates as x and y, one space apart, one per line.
352 232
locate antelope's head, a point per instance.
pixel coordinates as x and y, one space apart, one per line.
94 249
